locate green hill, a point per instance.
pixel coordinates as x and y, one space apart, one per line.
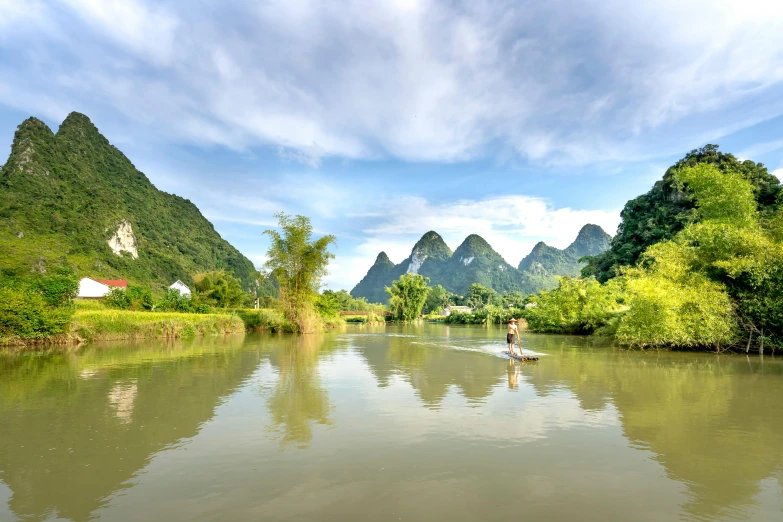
667 208
64 197
544 263
475 261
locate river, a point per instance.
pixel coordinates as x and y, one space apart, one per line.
422 422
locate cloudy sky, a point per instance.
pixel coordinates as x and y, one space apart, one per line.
517 120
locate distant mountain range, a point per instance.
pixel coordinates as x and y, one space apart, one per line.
475 261
71 197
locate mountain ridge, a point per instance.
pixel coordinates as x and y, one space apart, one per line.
475 261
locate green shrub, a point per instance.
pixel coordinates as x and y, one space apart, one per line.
576 306
174 301
26 314
117 298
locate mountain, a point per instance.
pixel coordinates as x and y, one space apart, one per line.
475 261
372 286
544 263
73 197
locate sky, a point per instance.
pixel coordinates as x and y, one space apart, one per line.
381 120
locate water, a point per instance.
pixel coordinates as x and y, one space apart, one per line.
399 423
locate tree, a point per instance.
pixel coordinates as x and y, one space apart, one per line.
437 298
480 295
298 263
668 207
407 296
218 288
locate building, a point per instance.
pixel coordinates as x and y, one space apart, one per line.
90 288
181 287
461 309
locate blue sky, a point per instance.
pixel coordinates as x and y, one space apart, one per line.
519 121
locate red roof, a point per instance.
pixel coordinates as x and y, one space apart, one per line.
114 282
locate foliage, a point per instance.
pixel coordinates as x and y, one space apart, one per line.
437 299
117 298
716 277
666 209
26 314
52 183
576 306
298 263
330 303
264 319
407 296
479 295
486 315
217 288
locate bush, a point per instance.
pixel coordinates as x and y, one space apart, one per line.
117 298
174 301
576 306
26 314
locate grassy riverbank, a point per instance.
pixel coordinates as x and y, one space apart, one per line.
106 325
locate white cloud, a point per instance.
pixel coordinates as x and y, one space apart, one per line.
778 173
512 225
147 30
562 81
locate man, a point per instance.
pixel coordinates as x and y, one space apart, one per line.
511 336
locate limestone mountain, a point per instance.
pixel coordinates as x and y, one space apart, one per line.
72 197
544 263
372 286
475 261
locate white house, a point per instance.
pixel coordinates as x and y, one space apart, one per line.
462 309
97 288
181 287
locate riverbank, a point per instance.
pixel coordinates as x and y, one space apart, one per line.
110 325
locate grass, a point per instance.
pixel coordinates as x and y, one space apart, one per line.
105 325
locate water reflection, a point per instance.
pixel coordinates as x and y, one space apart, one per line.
299 398
425 422
76 428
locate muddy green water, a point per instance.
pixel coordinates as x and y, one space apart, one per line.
401 423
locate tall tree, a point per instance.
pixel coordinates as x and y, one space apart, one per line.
407 296
298 263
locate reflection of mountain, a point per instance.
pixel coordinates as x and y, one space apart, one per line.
87 425
430 366
697 413
299 399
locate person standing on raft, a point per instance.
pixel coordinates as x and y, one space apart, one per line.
511 336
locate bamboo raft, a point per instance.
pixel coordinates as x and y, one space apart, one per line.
522 357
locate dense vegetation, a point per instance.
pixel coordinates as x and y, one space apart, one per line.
36 307
714 284
63 195
475 261
407 296
668 207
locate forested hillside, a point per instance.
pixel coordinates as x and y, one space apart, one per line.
668 207
65 196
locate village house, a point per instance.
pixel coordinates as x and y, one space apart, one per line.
451 309
90 288
181 287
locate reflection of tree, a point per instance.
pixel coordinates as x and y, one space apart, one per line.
75 428
708 419
299 399
421 356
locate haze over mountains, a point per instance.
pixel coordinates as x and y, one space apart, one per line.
475 261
